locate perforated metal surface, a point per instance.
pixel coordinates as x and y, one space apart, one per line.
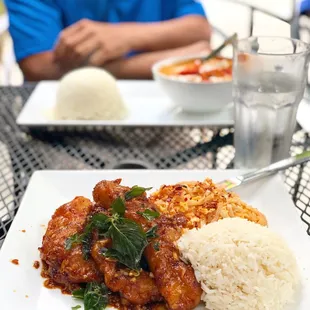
22 152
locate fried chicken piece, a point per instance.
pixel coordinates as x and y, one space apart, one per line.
68 266
105 192
175 279
122 304
138 289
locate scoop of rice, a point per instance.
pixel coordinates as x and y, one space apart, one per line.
241 265
89 94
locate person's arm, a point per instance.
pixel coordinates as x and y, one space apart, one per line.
188 24
41 66
34 27
139 67
169 34
99 42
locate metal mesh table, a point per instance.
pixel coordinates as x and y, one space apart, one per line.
23 151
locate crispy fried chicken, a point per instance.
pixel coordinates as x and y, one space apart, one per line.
138 289
169 279
175 279
67 267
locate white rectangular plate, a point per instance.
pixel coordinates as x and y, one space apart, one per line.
48 190
148 105
303 114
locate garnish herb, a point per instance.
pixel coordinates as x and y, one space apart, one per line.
156 246
100 221
118 206
149 214
128 242
128 238
95 296
79 294
76 307
73 240
151 233
136 191
86 242
84 238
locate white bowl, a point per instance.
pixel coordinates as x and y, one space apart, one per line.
193 96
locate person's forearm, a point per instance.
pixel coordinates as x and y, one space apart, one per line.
168 34
41 67
140 66
137 67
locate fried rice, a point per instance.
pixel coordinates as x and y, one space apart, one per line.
203 203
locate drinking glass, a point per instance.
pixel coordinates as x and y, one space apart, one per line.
269 78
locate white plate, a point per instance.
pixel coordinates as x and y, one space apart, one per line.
303 114
148 105
48 190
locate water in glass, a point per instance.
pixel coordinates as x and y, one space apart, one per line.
266 104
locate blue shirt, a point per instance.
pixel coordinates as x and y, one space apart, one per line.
35 24
305 6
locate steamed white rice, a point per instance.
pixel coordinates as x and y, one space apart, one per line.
241 265
89 94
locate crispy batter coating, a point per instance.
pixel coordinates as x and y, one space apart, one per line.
105 192
68 266
175 279
138 289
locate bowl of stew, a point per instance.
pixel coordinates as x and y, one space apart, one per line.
195 85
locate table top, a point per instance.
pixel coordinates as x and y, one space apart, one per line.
22 151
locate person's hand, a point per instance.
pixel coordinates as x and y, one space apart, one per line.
93 43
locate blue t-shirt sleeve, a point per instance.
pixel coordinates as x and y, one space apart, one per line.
305 6
188 7
34 26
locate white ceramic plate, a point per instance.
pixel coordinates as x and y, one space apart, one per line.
48 190
148 105
303 114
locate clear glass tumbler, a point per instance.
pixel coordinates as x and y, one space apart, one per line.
269 78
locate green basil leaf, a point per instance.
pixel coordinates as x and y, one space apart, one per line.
76 307
73 240
151 233
128 242
96 296
118 206
79 294
111 253
136 191
149 214
84 238
156 246
86 244
101 222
